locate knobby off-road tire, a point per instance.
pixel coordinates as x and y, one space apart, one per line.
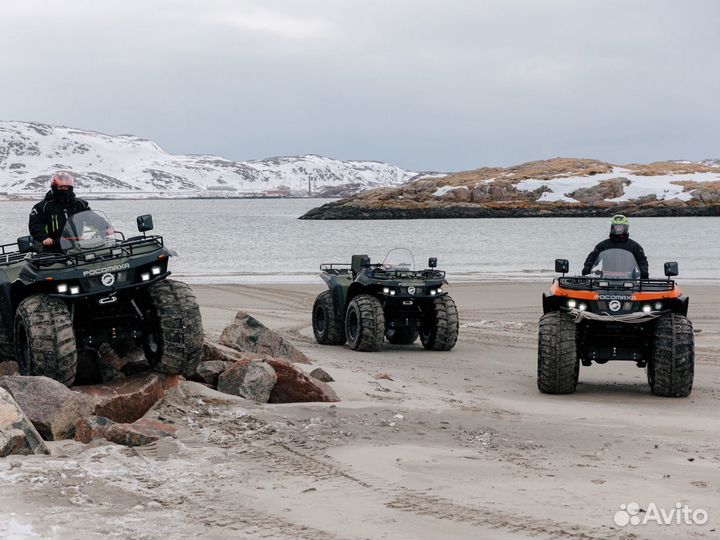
173 343
558 364
402 336
365 323
439 331
672 366
45 339
328 329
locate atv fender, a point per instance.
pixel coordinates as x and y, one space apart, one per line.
338 286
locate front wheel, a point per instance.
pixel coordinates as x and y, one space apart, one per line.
45 339
365 323
439 330
558 365
672 366
173 337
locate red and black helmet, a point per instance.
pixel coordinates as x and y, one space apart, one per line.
62 181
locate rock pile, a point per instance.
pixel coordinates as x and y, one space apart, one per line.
250 361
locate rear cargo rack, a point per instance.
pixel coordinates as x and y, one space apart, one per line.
602 284
9 254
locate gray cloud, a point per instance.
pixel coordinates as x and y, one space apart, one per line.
425 85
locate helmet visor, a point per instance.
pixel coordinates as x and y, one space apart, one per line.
618 230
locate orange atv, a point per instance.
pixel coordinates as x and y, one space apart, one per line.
612 314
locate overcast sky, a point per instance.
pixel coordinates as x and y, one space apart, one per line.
427 85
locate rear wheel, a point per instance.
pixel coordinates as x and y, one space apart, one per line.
439 331
327 328
672 366
558 364
173 338
365 323
45 340
402 336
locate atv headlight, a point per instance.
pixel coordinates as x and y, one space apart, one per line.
433 292
386 290
647 308
156 270
145 276
392 293
571 303
74 289
582 307
439 290
658 306
62 288
90 257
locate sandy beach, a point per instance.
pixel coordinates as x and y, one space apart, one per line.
422 445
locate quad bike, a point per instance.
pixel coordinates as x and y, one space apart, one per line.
614 315
98 287
366 303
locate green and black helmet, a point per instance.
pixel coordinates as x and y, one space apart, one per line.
619 226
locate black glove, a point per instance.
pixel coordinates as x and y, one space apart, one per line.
585 271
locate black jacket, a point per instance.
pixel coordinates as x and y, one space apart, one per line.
619 243
48 217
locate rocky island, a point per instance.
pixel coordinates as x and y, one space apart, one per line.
549 188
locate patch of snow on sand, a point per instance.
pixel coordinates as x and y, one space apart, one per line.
661 186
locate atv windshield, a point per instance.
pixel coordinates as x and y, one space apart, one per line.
616 264
399 259
86 230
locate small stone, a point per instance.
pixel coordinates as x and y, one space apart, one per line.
93 427
321 375
140 433
294 386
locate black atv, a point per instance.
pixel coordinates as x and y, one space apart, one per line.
98 287
614 315
368 302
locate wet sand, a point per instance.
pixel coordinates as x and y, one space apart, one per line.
423 445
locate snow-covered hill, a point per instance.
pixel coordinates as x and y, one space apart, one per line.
127 166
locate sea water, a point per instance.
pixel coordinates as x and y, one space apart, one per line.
262 240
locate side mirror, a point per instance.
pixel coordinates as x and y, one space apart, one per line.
25 244
145 223
432 262
671 269
562 266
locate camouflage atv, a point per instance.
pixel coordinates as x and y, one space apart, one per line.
100 287
366 303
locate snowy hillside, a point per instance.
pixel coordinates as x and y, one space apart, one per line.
127 166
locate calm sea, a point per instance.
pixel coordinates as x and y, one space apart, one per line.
261 240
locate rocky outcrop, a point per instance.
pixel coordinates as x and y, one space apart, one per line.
17 433
247 334
293 386
51 406
549 188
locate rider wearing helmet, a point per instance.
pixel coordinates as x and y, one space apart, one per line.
619 239
48 217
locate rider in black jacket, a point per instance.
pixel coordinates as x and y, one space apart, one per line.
619 239
48 218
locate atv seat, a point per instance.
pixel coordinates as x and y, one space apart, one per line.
358 264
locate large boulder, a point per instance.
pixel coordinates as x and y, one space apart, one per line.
250 379
247 334
17 434
294 386
51 406
126 400
208 372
